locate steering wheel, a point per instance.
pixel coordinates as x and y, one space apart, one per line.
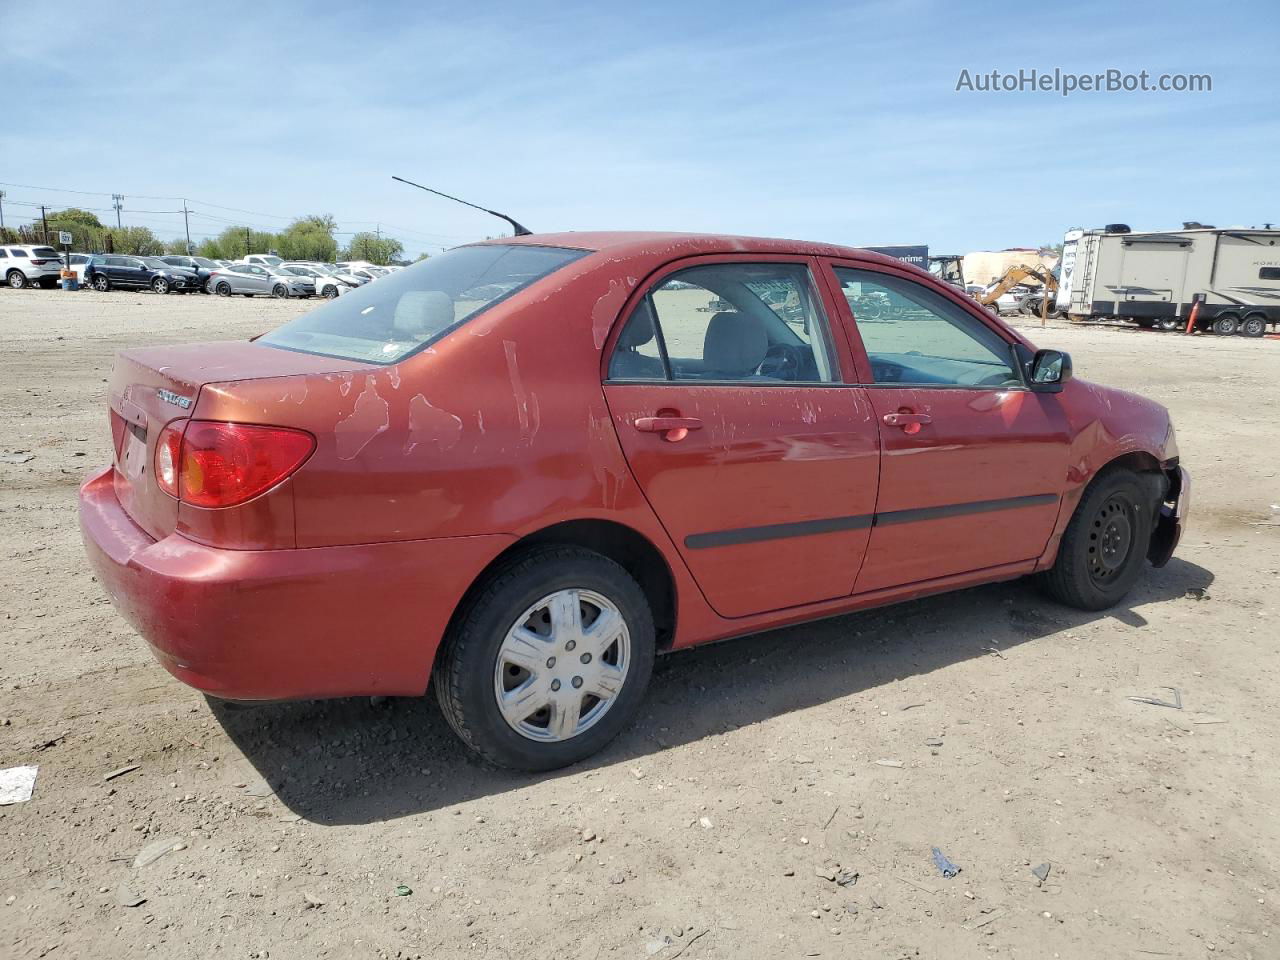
783 361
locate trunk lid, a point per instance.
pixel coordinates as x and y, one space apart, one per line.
153 386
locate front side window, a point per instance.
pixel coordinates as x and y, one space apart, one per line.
914 336
406 311
728 322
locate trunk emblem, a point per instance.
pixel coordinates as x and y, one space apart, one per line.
168 396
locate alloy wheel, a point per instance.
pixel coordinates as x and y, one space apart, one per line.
562 665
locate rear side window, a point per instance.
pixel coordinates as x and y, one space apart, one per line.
404 312
728 322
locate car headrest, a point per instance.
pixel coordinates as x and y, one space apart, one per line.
421 312
735 343
639 329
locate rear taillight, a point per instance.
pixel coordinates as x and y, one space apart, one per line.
216 464
168 456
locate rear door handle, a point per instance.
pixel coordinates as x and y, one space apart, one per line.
906 419
673 429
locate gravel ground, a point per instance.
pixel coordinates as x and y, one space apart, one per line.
761 773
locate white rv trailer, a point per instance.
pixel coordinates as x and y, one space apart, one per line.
1154 278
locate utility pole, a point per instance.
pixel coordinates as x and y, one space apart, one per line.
117 201
378 233
45 220
247 251
1 209
186 223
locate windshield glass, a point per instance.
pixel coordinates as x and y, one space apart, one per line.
387 321
204 262
273 261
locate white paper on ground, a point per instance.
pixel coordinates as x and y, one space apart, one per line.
16 784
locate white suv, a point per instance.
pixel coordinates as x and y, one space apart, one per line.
30 266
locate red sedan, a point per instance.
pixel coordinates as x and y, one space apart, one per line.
525 467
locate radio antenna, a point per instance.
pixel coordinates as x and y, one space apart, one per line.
520 229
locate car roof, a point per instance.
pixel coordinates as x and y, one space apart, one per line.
646 243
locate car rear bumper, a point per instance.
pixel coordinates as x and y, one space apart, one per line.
1173 517
282 624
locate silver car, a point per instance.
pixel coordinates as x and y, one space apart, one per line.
252 279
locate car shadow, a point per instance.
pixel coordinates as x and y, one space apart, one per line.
357 760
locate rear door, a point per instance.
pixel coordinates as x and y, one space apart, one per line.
973 462
728 389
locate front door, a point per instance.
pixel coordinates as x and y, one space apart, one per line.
728 389
973 462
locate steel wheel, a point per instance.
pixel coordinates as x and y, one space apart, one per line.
1225 325
562 665
1111 539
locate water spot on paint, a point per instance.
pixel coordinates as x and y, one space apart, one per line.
606 309
517 390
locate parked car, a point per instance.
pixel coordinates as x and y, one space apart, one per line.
202 267
327 285
520 471
263 259
79 263
105 271
251 279
30 266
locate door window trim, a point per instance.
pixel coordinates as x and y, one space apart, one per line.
841 355
862 360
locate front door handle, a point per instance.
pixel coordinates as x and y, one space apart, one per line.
672 428
909 422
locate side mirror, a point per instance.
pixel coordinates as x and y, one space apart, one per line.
1049 370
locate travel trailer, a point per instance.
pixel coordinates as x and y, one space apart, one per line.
1154 279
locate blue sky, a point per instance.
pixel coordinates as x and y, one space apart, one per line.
835 121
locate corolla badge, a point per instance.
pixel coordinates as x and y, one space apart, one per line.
168 396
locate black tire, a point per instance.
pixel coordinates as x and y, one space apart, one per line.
160 285
1169 323
1254 325
464 675
1226 324
16 279
1105 543
1146 323
101 282
331 293
280 291
223 289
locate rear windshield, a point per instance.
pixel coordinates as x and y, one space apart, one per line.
45 252
403 312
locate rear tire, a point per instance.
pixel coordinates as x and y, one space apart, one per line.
1168 323
101 283
510 621
1105 543
16 279
1254 325
1225 325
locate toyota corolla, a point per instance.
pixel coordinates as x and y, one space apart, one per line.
521 469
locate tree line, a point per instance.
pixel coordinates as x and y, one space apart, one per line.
307 238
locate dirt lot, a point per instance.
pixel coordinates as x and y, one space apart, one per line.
755 773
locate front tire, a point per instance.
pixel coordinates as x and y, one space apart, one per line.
1105 543
549 659
160 285
331 293
280 291
1225 325
223 289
